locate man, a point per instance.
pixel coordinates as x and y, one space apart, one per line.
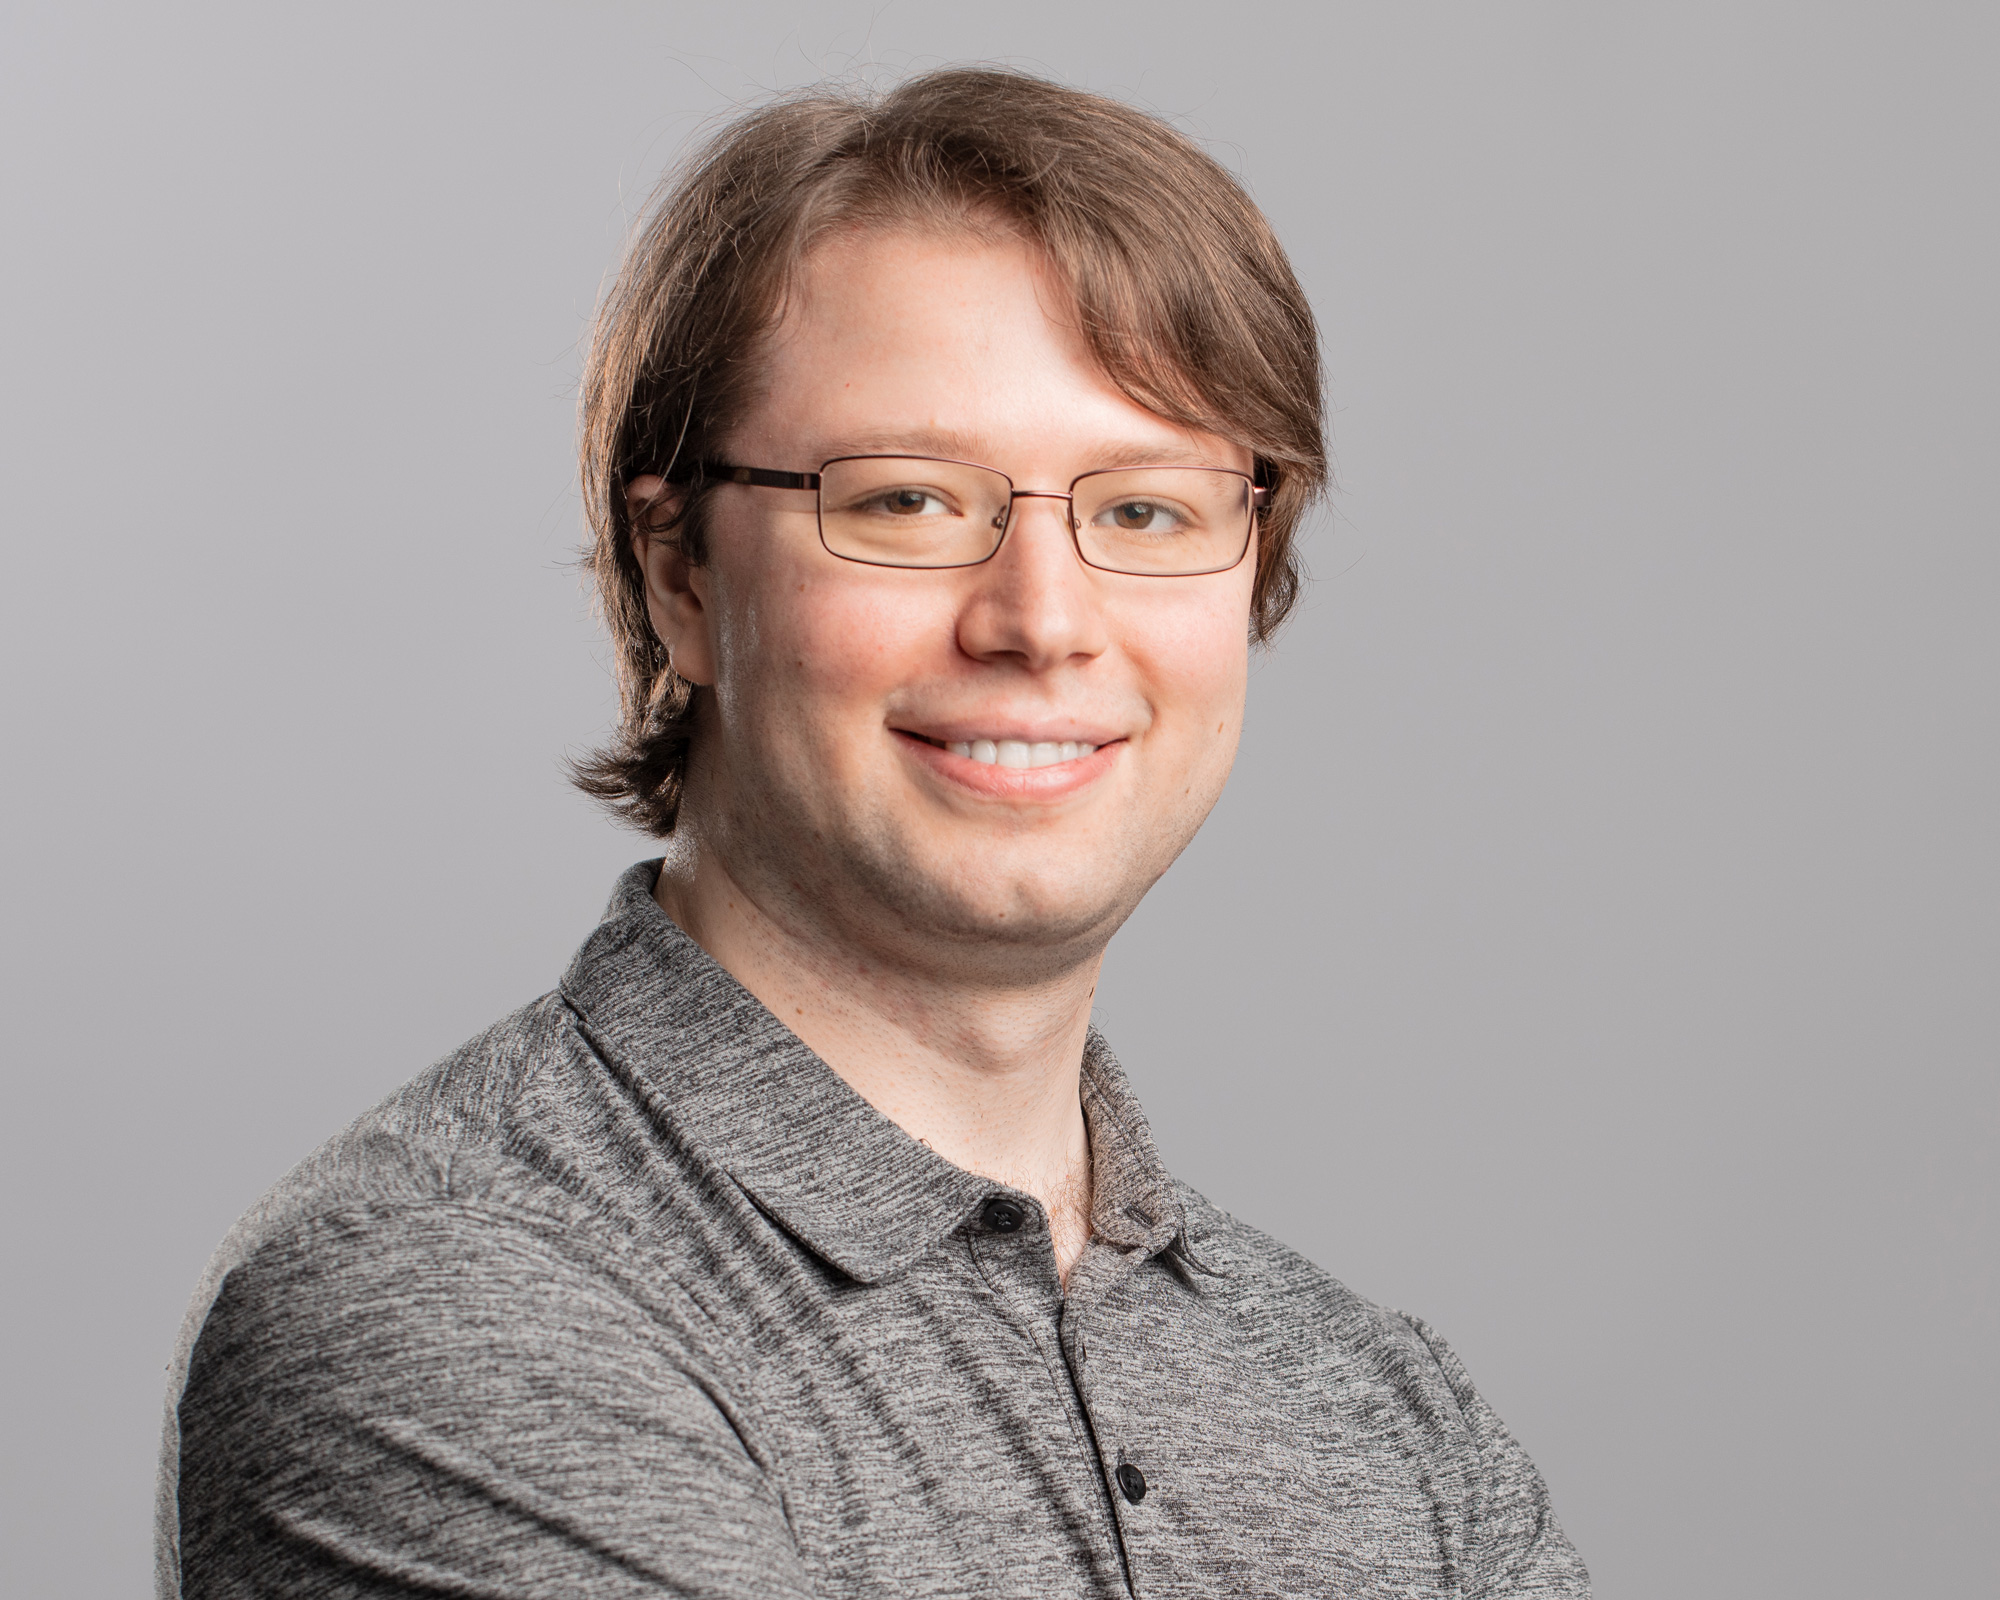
945 454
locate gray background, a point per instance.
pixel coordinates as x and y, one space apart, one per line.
1596 950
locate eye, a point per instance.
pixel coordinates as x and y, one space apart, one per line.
1140 516
906 501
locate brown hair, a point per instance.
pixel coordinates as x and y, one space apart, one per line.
1183 293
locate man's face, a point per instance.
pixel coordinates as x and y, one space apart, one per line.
822 778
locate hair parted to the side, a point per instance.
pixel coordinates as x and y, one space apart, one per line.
1183 293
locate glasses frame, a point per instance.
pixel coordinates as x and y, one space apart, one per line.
768 478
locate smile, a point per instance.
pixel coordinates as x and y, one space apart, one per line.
1016 768
1018 752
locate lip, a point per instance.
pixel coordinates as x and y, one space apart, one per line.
1043 784
1026 732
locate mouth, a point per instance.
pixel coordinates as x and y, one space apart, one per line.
1017 753
1001 765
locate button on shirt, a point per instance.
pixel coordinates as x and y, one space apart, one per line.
633 1296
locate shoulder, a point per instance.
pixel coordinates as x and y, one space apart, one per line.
387 1293
1266 1272
463 1388
1294 1311
446 1193
1394 1383
447 1134
430 1299
501 1157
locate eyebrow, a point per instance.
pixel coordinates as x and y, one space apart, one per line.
950 445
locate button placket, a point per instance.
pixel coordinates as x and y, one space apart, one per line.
1018 1278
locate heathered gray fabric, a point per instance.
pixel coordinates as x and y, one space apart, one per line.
632 1296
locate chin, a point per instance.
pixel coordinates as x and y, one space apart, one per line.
1012 914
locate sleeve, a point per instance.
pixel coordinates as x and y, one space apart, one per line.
435 1400
1513 1545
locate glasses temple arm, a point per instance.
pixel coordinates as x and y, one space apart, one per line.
757 477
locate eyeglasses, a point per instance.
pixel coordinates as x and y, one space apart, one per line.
920 511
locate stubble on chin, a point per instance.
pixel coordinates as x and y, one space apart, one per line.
870 892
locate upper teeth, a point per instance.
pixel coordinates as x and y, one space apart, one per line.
1018 752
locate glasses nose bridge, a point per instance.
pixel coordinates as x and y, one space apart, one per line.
1067 496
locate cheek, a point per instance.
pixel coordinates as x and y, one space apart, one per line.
810 646
1193 657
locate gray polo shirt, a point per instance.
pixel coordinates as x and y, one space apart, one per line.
633 1296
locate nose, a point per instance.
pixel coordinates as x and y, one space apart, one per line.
1034 603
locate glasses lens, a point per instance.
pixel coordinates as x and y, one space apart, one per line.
1167 520
910 511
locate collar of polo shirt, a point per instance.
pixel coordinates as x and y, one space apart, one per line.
834 1172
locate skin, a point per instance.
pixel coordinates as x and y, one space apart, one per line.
931 927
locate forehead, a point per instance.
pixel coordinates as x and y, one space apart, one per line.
908 340
855 279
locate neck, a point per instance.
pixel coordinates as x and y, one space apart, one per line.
984 1073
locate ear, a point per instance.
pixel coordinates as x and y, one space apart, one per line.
676 591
